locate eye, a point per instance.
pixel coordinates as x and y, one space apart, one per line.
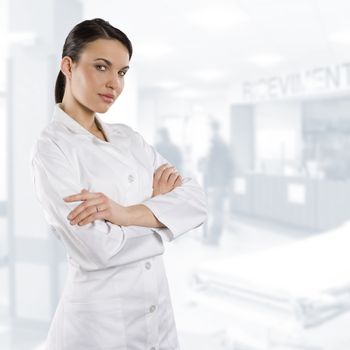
101 67
122 73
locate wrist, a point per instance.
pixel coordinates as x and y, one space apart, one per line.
140 215
129 215
134 214
119 215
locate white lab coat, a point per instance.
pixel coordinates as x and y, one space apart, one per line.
116 295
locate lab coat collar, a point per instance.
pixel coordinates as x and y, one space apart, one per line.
118 139
61 116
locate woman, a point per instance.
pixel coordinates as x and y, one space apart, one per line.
112 200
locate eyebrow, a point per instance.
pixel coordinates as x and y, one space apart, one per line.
109 63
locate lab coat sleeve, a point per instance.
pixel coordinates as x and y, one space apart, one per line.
180 210
92 246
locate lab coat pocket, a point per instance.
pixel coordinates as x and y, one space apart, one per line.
94 325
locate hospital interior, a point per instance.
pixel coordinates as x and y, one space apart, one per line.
249 97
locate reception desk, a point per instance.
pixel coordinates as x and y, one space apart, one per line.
316 204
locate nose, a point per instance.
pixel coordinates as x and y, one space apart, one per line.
115 82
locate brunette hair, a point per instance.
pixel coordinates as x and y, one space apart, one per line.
82 34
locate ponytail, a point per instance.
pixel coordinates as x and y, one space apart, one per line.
60 87
82 34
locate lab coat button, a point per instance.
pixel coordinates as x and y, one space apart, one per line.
152 308
148 265
131 178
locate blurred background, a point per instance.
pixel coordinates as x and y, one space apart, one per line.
251 97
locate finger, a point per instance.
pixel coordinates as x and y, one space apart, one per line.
87 208
175 180
81 196
162 167
158 173
86 213
166 173
93 202
92 217
178 181
172 178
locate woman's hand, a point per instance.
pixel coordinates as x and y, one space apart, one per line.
96 205
165 179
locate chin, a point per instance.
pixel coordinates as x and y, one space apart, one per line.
102 109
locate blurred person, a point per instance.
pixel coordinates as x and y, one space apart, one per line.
168 149
218 172
112 200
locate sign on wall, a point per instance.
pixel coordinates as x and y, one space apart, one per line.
309 82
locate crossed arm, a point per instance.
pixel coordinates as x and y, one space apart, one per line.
97 205
176 206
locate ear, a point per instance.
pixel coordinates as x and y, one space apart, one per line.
66 66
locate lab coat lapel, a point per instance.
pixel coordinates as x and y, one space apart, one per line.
62 117
118 141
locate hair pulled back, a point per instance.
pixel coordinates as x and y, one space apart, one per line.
82 34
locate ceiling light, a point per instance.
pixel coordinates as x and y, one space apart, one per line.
169 85
209 75
187 93
265 60
152 50
218 18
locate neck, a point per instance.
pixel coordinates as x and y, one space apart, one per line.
81 114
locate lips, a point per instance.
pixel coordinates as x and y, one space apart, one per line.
107 97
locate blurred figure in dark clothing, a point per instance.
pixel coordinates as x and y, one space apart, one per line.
168 149
218 172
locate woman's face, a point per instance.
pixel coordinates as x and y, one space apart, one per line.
97 79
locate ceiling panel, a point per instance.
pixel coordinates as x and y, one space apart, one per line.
298 31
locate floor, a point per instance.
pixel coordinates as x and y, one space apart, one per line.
197 327
242 235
